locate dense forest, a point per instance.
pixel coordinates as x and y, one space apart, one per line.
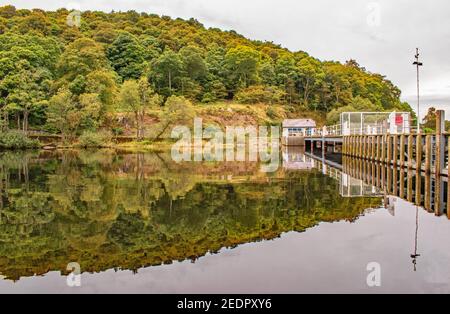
72 79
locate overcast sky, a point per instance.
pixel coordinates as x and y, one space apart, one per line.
381 35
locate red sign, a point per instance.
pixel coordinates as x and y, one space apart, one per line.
399 119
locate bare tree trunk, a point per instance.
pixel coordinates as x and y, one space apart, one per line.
170 82
306 94
142 117
138 125
25 120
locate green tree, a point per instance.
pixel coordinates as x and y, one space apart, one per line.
104 84
286 75
167 71
63 114
27 91
177 110
310 75
126 55
242 66
194 64
138 97
81 57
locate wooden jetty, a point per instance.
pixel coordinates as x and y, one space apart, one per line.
396 162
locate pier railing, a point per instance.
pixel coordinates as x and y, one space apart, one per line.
336 130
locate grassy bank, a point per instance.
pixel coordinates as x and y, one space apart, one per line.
220 114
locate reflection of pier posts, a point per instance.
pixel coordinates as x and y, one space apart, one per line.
410 188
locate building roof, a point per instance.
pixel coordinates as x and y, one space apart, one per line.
299 123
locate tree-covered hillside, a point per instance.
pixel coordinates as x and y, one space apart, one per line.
72 79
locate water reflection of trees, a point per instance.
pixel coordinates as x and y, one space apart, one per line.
107 210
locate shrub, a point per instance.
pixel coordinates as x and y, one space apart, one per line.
16 140
90 139
272 113
117 131
259 94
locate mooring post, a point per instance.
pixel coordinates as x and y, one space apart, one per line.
448 183
440 142
395 165
343 145
439 164
395 156
402 151
351 146
410 151
378 149
418 169
363 146
389 150
402 183
427 196
427 154
372 149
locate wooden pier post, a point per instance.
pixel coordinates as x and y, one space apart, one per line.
427 195
378 148
402 183
440 142
419 169
402 151
389 150
395 151
410 151
372 150
361 148
448 182
427 154
383 148
343 145
354 146
439 164
346 145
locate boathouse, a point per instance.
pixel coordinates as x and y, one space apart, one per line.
295 130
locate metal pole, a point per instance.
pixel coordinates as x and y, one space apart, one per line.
418 64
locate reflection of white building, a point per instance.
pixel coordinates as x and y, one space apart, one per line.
295 159
352 187
389 203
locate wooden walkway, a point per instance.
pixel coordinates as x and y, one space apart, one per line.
428 153
411 166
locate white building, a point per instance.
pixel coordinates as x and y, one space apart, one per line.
294 131
298 127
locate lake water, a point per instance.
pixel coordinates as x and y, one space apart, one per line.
142 223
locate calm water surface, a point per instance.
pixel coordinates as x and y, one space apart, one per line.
142 223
